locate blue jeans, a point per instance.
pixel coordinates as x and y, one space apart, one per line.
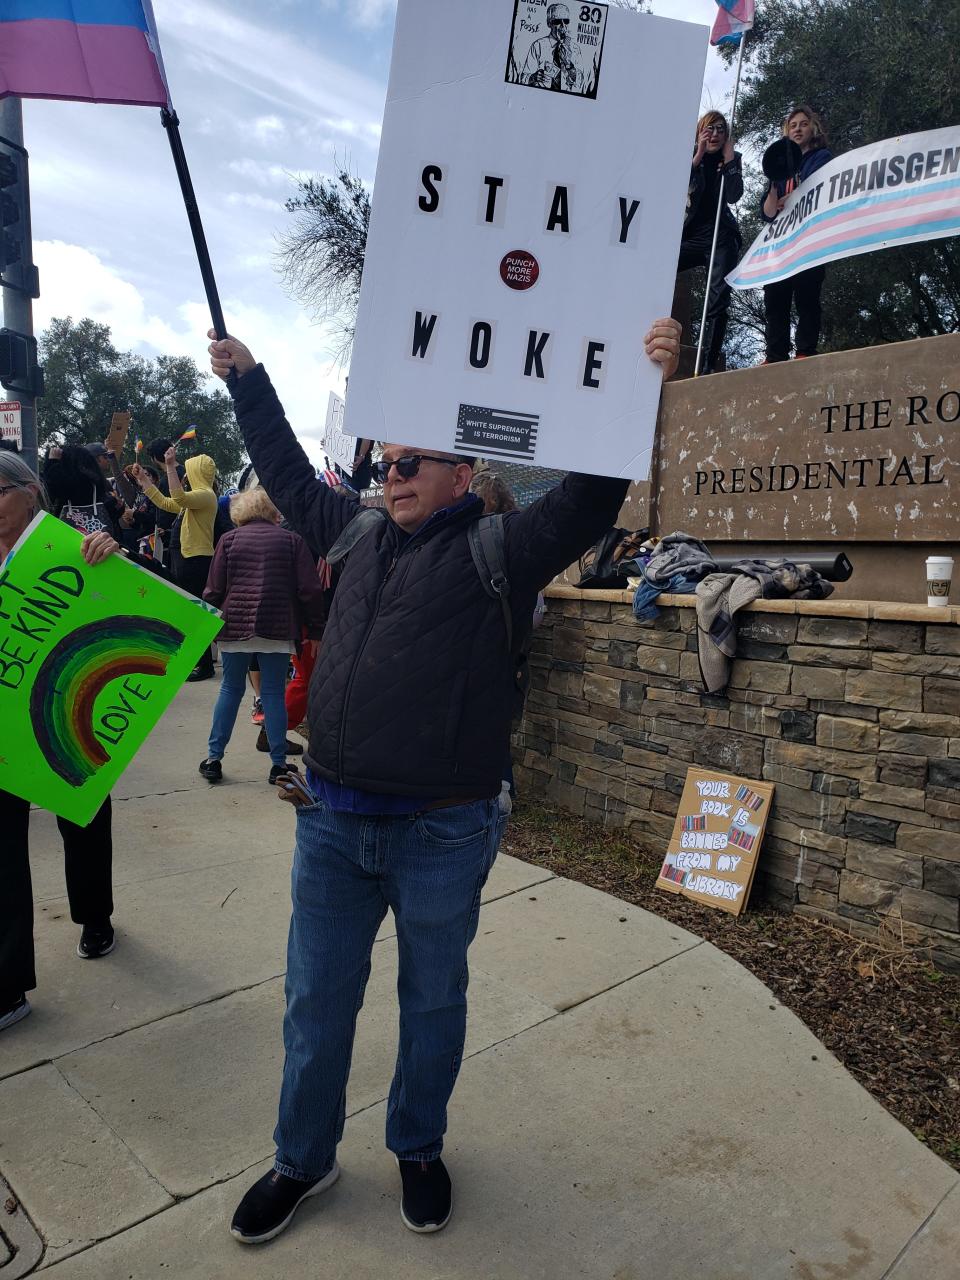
348 868
273 681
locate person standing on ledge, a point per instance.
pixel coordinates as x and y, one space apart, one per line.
804 127
410 708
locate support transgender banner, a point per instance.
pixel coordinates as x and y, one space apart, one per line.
82 50
90 658
896 192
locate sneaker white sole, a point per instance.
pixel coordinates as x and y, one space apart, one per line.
17 1015
427 1228
100 954
315 1190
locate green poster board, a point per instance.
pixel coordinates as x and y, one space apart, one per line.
90 658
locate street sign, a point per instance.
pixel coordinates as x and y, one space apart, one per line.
10 425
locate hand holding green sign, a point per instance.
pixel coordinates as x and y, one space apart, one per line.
90 658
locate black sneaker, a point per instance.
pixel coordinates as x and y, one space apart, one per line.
277 771
291 748
212 770
96 941
270 1204
200 673
11 1013
427 1200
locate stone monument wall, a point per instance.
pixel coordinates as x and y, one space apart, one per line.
852 709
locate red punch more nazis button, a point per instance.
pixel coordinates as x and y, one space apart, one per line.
519 269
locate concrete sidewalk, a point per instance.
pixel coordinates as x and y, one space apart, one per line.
632 1103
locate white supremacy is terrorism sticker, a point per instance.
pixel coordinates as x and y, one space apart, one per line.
522 237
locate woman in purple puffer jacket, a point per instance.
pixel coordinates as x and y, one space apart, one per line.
264 580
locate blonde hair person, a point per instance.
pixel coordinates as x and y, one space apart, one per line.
818 134
88 851
804 127
253 504
715 167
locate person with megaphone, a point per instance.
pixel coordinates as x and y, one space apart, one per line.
787 163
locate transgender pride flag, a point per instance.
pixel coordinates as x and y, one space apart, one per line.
87 50
735 17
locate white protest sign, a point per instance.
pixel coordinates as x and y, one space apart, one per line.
899 191
339 448
10 425
526 222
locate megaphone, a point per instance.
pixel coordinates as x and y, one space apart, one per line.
782 160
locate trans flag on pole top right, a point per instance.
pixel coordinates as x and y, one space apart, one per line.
735 17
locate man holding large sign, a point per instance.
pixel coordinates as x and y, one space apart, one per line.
525 213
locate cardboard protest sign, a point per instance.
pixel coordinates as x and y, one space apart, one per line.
90 658
339 448
712 855
117 435
525 227
11 425
898 191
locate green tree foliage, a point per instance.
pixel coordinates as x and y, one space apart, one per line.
88 380
321 256
874 69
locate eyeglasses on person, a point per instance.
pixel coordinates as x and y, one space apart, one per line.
408 466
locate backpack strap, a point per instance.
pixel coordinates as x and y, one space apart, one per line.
488 549
360 525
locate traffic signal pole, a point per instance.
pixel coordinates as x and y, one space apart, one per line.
17 305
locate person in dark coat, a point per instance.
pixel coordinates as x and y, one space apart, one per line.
411 703
804 127
713 158
87 851
265 583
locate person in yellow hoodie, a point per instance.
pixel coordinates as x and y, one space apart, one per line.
197 507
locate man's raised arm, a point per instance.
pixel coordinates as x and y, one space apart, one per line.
309 505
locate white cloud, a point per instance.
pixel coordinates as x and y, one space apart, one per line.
268 129
77 283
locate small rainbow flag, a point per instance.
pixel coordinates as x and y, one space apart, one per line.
137 445
189 434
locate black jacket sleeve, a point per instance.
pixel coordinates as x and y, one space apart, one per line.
311 507
549 536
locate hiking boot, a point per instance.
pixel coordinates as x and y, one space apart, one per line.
427 1200
96 940
11 1013
256 715
212 770
278 771
291 748
270 1204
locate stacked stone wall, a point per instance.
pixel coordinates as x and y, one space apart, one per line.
852 710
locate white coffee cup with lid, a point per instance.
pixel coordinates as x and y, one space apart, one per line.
939 575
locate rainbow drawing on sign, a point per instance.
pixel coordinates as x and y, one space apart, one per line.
77 671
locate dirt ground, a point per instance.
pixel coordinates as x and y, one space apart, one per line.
881 1008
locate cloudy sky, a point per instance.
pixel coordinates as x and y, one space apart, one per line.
262 94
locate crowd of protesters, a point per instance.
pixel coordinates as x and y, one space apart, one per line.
711 233
410 698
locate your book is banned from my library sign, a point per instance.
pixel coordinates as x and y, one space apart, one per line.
712 855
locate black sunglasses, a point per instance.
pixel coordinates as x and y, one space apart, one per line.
407 467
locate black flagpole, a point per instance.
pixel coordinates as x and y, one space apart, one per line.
172 125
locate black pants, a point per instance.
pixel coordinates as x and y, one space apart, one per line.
190 573
88 861
804 291
695 252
